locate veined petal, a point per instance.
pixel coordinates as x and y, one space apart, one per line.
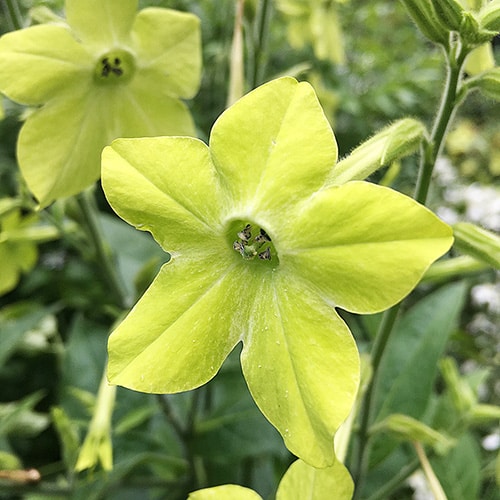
301 365
39 62
101 23
273 147
60 144
167 185
168 48
364 246
181 345
151 110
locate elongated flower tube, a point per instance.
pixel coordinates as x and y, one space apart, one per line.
262 252
110 72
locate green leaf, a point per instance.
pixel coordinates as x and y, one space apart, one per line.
225 492
372 242
38 63
302 481
412 355
459 472
15 321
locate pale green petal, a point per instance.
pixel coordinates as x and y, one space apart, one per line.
152 111
166 185
303 481
101 23
301 365
180 331
39 62
273 147
60 144
225 492
168 48
364 246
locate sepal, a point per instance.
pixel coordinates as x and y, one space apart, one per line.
450 13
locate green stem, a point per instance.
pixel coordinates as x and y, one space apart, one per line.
259 41
449 103
13 14
445 114
103 257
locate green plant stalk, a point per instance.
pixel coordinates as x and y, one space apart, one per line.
103 257
449 103
13 14
259 41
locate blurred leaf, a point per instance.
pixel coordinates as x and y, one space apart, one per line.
459 472
409 366
20 419
68 436
15 321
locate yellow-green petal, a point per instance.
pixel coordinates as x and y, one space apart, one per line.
101 23
273 147
303 481
38 63
168 48
301 365
166 185
365 247
180 331
225 492
60 144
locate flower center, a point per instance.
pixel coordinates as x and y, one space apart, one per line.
252 242
117 65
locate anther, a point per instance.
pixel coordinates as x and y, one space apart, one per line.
266 254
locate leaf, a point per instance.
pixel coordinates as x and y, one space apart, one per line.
302 481
225 492
410 363
459 472
15 320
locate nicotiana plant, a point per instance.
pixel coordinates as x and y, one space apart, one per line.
274 249
108 72
264 245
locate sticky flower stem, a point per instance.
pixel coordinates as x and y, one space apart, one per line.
13 14
103 257
455 58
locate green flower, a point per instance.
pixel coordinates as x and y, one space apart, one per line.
111 72
262 252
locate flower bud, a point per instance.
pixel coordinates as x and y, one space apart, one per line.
410 429
424 16
489 16
449 13
400 139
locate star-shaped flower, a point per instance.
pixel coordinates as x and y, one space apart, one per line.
262 252
111 72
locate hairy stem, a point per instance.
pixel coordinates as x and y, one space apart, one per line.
102 255
449 103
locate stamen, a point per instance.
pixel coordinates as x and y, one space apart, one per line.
248 248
